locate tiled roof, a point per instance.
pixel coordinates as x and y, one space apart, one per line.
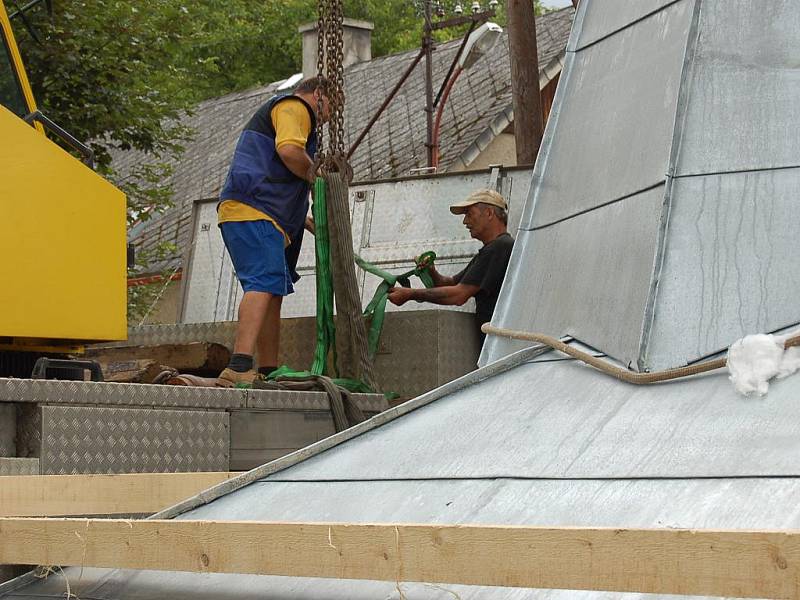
395 145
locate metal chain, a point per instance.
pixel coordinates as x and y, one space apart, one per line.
330 64
322 26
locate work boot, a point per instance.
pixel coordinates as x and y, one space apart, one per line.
231 378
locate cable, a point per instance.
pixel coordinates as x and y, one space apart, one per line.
613 370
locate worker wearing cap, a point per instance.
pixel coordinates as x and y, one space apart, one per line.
262 212
486 217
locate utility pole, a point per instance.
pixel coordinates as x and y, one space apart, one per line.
427 45
528 121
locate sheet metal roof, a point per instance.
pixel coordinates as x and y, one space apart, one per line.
560 445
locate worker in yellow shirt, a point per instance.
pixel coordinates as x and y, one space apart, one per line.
262 213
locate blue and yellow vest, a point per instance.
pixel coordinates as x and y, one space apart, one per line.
257 176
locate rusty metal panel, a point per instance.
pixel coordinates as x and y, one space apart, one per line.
743 111
116 440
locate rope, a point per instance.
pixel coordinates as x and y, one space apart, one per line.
346 412
613 370
355 358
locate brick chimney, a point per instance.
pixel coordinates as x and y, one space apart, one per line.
357 40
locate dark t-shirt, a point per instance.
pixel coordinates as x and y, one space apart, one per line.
487 270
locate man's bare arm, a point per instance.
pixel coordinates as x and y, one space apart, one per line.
440 280
296 160
453 295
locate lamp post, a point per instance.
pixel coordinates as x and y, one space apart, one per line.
431 9
477 44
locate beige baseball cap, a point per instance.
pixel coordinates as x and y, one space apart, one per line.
479 197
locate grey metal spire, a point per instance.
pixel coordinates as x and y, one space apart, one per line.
660 226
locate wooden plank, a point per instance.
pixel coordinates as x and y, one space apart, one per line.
131 371
194 357
65 495
756 564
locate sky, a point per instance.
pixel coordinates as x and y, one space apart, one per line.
556 3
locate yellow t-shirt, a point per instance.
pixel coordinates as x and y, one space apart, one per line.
292 125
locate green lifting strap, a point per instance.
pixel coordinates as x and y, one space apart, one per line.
326 329
352 385
376 309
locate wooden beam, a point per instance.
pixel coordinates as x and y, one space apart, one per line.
190 357
756 564
66 495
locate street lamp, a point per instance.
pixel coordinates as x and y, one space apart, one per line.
479 43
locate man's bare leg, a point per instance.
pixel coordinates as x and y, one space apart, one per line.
269 336
252 314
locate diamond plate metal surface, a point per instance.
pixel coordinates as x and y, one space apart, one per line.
106 440
8 430
436 346
221 332
459 346
422 350
29 430
258 436
309 401
118 394
19 466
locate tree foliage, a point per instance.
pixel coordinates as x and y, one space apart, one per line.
120 73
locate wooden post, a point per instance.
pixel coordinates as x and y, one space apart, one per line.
527 101
739 564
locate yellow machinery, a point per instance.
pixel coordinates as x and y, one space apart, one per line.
62 229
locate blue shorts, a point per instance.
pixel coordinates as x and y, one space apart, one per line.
259 256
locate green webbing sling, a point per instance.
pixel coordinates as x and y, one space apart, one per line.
326 329
376 309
